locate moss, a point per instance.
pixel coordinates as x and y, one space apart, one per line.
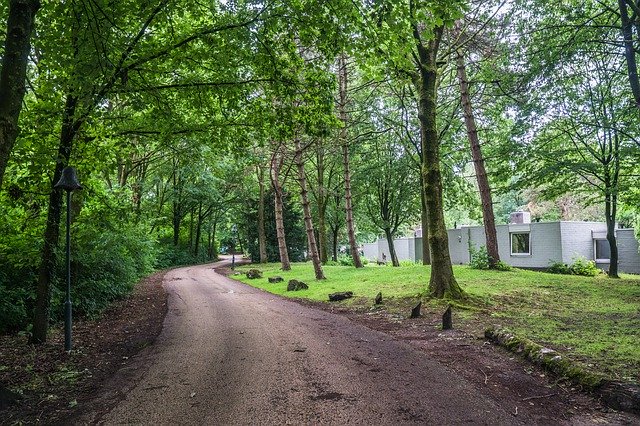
548 359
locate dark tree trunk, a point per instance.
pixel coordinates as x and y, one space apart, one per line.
48 261
392 249
334 243
196 250
442 282
488 217
342 108
20 23
262 236
610 211
424 219
276 165
322 207
306 209
629 52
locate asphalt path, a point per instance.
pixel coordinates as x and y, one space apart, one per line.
231 354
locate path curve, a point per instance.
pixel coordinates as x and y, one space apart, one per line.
232 354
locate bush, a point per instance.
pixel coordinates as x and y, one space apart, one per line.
479 258
580 266
407 262
332 263
559 268
584 267
502 266
345 260
106 263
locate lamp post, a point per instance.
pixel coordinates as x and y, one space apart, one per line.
234 231
69 182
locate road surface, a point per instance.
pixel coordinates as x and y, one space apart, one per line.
232 354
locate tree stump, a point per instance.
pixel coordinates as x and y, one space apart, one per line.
274 280
415 312
447 322
335 297
378 299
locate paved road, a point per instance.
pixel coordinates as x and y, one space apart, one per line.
231 354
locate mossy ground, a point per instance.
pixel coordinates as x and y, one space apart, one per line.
592 320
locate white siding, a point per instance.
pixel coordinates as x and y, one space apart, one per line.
577 239
370 251
544 244
628 256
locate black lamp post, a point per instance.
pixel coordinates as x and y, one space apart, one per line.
234 231
69 182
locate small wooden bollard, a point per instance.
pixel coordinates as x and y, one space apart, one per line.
447 322
415 312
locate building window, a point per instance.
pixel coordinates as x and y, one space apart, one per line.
520 243
602 250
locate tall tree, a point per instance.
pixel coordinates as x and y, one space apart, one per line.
13 72
344 142
488 216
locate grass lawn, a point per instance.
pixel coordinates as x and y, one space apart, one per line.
593 320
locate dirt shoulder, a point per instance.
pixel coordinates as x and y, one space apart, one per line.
54 385
503 376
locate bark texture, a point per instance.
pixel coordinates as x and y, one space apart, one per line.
442 282
276 165
20 23
306 210
262 237
342 108
424 219
48 263
629 51
488 217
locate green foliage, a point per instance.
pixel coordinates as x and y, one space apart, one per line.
556 267
479 257
407 262
584 267
579 266
293 228
106 263
503 266
345 260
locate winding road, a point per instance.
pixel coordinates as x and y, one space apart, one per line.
232 354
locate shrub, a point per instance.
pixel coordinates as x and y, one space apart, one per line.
479 258
559 268
332 263
502 266
582 266
345 260
407 262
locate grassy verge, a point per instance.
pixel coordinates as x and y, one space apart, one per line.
595 321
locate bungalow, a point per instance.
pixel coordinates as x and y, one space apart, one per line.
527 245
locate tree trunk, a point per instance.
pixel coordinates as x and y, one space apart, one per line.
262 236
488 217
306 209
276 164
392 249
426 253
342 108
334 243
610 211
20 23
198 231
48 262
322 207
629 52
442 282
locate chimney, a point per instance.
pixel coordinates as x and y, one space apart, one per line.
519 217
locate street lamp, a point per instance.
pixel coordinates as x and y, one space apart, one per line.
234 231
69 182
